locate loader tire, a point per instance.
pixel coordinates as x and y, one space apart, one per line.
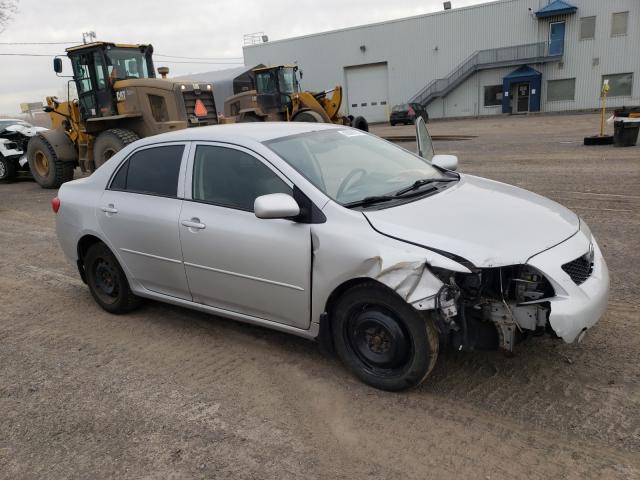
111 142
361 124
308 116
7 169
47 169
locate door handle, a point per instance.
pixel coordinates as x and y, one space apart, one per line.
109 209
194 223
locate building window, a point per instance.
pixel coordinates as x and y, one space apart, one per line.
492 95
619 23
561 89
587 28
620 85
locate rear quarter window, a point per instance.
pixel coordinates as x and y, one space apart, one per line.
152 171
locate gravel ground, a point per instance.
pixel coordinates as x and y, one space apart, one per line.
169 393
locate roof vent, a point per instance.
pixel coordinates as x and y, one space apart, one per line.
447 5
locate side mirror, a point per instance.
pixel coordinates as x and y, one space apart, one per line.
57 65
276 205
423 140
448 162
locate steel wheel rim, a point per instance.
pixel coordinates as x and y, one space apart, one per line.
106 280
41 163
378 340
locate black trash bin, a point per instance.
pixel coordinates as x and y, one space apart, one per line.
625 134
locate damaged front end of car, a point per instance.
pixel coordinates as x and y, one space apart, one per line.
562 291
492 308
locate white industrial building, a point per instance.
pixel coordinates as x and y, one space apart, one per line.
509 56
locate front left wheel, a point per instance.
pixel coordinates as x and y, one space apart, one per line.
383 340
45 166
308 116
107 281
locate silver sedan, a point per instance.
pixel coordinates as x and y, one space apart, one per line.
333 234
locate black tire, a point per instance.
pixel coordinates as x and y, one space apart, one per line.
47 169
308 116
384 341
598 140
361 124
111 142
7 169
107 282
393 124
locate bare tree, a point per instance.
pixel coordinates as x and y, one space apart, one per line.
7 9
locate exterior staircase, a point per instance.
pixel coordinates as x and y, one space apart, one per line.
484 60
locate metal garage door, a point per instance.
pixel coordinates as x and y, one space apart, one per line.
367 92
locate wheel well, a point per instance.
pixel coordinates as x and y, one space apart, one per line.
325 337
83 246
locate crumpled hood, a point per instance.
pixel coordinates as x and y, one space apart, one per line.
488 223
24 130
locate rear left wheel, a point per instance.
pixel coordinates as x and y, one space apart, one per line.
107 281
361 124
383 340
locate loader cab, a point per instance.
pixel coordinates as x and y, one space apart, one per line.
96 68
274 87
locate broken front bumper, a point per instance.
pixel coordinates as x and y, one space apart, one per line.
574 308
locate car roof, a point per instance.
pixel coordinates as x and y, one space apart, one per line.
233 132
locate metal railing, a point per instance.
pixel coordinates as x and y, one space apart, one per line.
482 59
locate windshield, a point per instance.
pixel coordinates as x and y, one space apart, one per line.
123 63
349 165
287 80
400 108
266 82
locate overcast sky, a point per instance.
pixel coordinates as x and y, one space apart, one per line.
211 28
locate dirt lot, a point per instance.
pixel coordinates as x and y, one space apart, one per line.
169 393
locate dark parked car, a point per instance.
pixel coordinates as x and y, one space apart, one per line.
407 113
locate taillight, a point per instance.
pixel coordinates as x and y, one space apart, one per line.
55 204
411 111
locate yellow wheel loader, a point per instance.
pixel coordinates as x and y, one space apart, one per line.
119 101
278 97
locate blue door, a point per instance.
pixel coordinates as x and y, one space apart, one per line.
556 38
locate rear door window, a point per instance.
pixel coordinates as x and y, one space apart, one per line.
152 171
